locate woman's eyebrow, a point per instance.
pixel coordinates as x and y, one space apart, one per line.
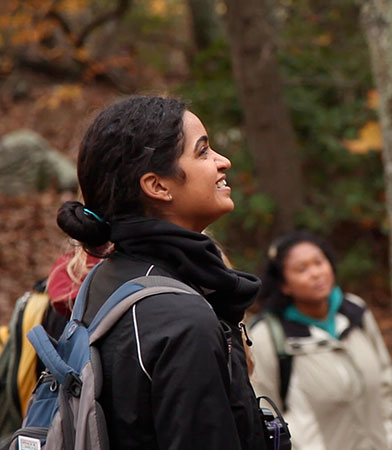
201 140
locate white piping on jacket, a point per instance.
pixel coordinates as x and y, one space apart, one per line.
149 270
139 353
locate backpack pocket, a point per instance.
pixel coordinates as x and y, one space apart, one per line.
29 438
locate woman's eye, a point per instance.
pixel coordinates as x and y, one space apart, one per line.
203 150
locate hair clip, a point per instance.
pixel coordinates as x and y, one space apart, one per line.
87 212
272 252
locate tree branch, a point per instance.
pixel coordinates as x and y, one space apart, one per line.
52 14
120 9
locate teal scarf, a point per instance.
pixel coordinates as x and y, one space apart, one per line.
335 300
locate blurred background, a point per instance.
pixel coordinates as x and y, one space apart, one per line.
297 93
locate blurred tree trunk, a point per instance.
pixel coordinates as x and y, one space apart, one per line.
269 130
206 26
376 21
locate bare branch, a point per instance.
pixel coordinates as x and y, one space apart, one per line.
53 14
117 12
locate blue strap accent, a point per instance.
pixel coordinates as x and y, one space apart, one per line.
78 308
48 354
118 295
88 212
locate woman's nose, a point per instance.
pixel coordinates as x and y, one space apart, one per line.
223 163
315 271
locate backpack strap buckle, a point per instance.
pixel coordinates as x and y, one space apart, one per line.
73 384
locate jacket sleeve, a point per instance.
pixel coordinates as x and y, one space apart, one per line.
372 330
186 358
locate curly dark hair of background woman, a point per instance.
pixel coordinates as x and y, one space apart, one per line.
271 297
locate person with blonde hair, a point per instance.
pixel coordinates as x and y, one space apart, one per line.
66 276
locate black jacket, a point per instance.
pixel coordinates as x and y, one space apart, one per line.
166 374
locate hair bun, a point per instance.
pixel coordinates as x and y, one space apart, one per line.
88 228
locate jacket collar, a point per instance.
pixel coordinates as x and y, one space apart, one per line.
193 257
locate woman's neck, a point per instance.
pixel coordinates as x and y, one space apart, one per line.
316 310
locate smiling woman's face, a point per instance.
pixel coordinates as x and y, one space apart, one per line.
308 274
205 195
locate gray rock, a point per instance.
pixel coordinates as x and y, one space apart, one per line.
28 162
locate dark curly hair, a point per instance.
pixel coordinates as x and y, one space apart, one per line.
271 297
126 140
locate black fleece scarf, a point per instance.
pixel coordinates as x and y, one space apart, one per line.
194 257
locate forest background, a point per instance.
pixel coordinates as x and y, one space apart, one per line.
285 89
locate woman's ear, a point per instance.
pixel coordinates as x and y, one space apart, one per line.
155 187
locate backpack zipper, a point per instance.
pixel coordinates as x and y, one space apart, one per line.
249 343
45 377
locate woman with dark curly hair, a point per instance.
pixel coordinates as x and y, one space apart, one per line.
319 353
151 184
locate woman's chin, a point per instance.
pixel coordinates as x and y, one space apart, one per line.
227 208
230 205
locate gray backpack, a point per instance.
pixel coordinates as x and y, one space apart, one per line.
64 413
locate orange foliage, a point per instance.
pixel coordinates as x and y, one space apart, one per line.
6 65
72 6
46 30
373 99
369 139
24 22
158 7
61 94
324 40
82 54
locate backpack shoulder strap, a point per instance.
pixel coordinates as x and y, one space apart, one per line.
78 307
158 280
276 331
114 307
285 360
47 351
127 295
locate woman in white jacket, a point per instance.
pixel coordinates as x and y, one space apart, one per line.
334 371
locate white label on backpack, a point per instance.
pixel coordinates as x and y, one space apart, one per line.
28 443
